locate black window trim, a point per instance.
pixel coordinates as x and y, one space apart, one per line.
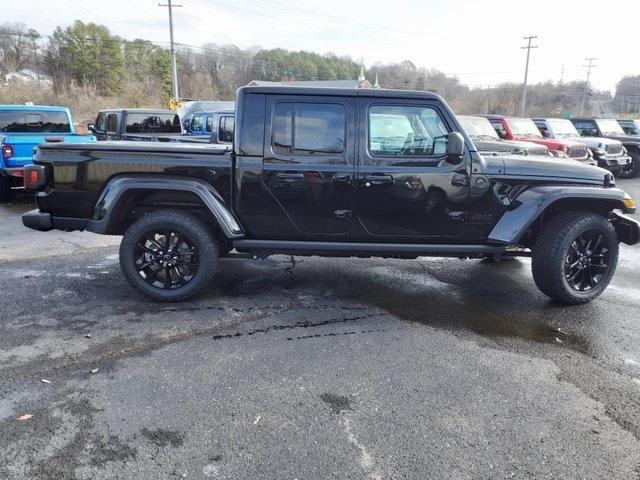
223 118
422 104
298 101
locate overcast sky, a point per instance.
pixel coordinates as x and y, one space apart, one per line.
477 40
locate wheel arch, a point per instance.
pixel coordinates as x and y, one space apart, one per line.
126 198
534 208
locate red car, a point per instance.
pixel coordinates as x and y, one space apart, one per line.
514 128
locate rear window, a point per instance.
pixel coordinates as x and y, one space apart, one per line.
153 123
308 128
26 121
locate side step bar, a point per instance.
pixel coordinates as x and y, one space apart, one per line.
270 247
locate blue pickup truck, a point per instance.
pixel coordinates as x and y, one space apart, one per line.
22 127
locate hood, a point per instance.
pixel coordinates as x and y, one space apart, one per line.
594 142
551 143
552 168
508 146
626 139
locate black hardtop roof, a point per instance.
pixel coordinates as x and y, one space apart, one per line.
138 110
549 118
591 118
495 116
342 92
215 110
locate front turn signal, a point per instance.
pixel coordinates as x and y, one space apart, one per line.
628 202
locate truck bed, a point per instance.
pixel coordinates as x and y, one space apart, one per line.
81 170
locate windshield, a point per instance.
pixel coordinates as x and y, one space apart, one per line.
478 127
29 121
562 128
609 126
523 126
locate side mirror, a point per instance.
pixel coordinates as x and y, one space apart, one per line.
91 127
455 148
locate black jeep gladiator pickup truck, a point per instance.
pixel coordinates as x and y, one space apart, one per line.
334 172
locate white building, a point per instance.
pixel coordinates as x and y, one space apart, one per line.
28 76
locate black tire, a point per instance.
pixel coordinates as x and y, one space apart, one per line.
6 193
168 267
632 170
557 263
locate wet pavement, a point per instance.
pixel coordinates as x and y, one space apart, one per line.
311 368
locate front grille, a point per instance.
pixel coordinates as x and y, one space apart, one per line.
577 151
613 149
538 151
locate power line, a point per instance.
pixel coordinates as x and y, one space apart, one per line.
174 68
523 108
589 66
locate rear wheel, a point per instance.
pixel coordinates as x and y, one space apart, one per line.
5 189
632 169
575 257
168 255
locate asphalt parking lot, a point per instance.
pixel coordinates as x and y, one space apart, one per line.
311 368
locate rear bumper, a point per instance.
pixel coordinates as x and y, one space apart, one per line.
15 175
43 222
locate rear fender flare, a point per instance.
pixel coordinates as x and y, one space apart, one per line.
107 205
531 203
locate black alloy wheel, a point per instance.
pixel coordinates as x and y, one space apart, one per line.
166 259
587 260
169 255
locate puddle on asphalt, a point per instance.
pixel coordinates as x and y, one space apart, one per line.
461 296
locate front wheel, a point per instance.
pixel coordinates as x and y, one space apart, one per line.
575 257
168 255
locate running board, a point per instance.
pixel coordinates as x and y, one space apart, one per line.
357 248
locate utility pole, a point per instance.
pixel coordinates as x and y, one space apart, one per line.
589 66
174 68
523 107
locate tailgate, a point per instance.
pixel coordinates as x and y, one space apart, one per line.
23 146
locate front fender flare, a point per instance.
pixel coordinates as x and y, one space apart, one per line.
106 207
531 203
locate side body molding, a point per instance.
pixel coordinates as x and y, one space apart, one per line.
528 206
107 204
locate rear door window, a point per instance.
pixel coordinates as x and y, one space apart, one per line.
227 123
112 123
309 128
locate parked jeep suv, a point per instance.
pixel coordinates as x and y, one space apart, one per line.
630 127
334 172
513 128
609 154
487 140
610 128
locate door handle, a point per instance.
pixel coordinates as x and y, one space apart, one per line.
342 177
290 176
377 179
